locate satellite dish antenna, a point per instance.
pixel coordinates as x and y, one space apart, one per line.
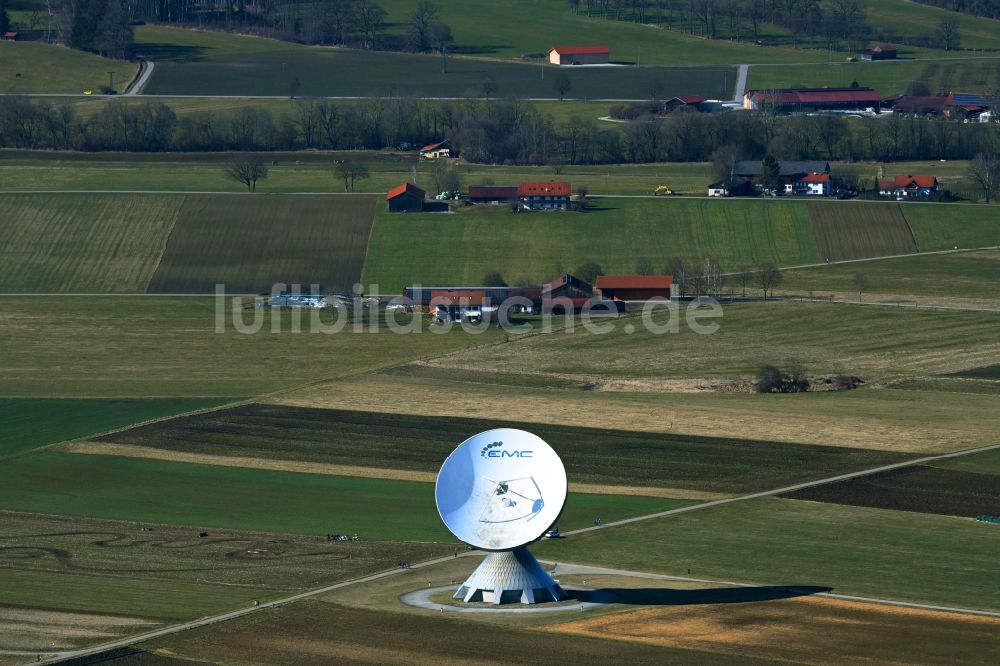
499 491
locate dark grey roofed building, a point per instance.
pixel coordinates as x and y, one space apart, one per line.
787 168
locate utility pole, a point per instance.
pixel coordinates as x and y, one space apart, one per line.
111 80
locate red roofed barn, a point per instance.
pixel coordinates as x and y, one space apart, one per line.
579 55
405 197
634 287
813 99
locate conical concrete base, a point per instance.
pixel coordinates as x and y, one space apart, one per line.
510 576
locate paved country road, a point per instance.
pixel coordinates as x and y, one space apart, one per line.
53 658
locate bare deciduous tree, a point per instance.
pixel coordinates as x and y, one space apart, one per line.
768 276
418 24
350 171
247 169
984 171
562 84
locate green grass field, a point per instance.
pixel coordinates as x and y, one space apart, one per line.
28 424
939 227
310 171
47 68
982 463
206 496
249 244
82 242
882 553
145 346
965 277
913 19
888 77
616 233
419 443
204 63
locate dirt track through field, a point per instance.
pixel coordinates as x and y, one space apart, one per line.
132 451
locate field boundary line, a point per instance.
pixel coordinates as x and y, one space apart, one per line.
911 306
786 489
909 228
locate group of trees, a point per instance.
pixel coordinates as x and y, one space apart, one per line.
491 132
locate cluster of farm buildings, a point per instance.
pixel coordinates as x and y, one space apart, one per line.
527 195
812 178
565 294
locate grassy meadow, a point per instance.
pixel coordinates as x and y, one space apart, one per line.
968 278
205 63
615 233
210 496
35 67
877 552
888 77
127 347
27 424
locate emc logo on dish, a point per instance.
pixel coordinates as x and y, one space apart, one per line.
493 451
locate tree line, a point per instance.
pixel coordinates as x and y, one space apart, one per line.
491 132
985 8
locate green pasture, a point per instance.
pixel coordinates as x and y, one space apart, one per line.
206 496
872 552
961 276
420 443
49 68
312 172
153 346
914 19
987 462
206 63
944 227
419 248
29 423
888 77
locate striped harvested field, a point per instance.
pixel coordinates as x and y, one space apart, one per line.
250 243
82 242
859 230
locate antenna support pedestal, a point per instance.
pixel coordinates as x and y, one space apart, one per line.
510 576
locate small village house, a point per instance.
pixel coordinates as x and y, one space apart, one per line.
797 176
405 198
732 187
436 151
579 55
10 36
880 52
908 187
544 195
634 287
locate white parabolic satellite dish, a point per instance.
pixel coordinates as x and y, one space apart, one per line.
501 489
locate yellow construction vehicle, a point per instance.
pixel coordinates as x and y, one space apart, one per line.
662 191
